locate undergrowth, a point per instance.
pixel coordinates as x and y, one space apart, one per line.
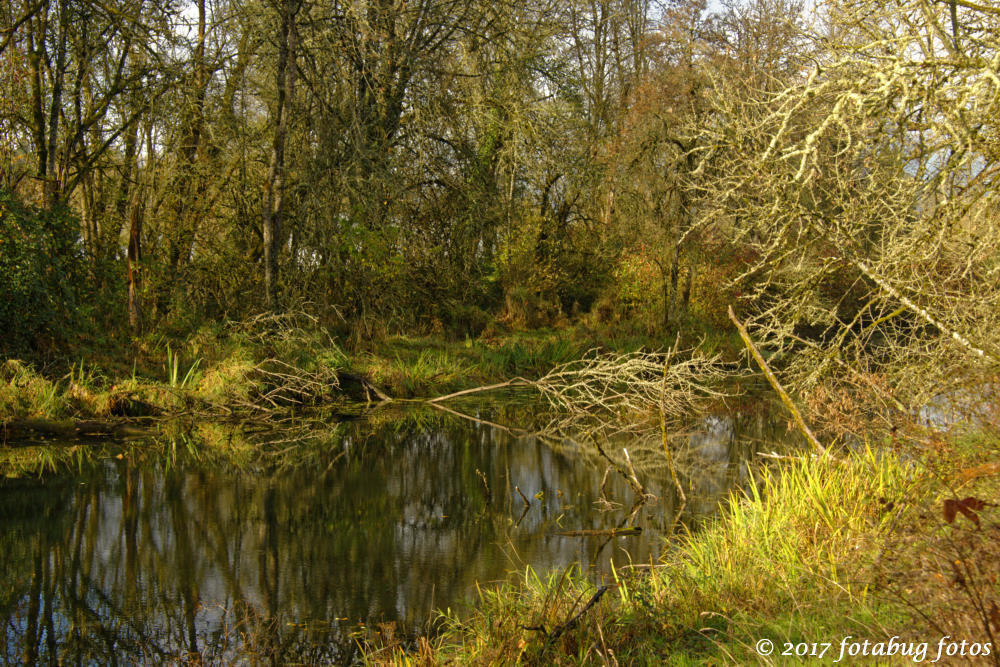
270 362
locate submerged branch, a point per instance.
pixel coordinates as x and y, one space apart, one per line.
513 382
613 532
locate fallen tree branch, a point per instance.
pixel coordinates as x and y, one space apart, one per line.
568 625
613 532
513 382
773 381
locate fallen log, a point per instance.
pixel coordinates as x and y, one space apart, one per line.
353 384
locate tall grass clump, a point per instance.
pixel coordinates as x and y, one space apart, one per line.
25 393
794 547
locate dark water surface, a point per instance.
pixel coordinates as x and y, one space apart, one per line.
200 545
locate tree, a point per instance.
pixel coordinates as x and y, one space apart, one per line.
274 185
656 159
865 189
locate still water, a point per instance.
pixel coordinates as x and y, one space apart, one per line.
287 545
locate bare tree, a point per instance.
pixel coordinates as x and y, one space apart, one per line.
864 190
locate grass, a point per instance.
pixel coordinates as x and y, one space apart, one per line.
216 369
408 366
212 368
818 550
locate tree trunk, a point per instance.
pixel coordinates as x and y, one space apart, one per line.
686 293
675 268
274 185
36 53
134 268
189 185
53 184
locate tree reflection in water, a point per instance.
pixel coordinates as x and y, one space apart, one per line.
237 546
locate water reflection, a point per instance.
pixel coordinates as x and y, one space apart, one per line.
147 558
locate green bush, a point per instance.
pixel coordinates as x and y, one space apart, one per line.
40 271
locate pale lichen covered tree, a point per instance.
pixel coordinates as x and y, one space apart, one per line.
864 190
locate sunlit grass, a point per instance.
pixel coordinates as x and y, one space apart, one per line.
409 366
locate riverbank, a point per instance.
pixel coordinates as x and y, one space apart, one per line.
263 365
826 553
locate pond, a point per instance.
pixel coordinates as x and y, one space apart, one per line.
287 544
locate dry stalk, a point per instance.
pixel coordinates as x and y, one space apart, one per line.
773 381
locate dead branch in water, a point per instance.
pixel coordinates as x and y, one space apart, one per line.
605 394
613 532
614 388
513 382
486 485
631 479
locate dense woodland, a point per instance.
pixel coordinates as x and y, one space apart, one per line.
457 167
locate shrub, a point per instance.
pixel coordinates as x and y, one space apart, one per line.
40 267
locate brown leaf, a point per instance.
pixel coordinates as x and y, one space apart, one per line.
967 506
950 509
994 615
974 504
